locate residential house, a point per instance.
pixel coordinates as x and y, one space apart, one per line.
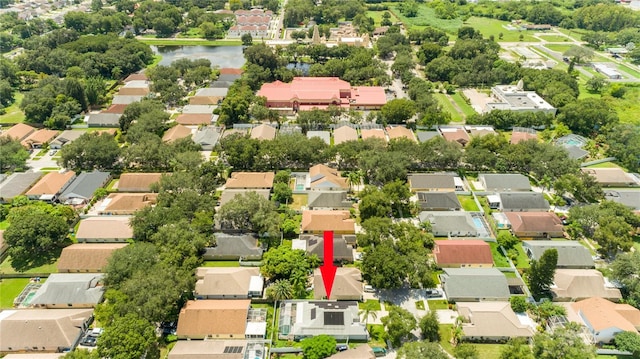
250 180
39 138
325 136
207 138
16 184
234 247
362 351
577 284
213 319
138 76
196 119
42 330
400 132
126 99
535 224
137 182
343 134
326 178
317 222
263 132
175 133
368 133
438 201
70 290
228 283
611 177
604 319
424 136
124 204
571 254
106 119
520 134
64 138
198 109
347 285
455 134
306 93
105 229
301 319
504 182
313 244
328 200
425 182
209 96
50 186
479 130
217 349
133 91
523 202
229 194
456 253
87 257
629 198
81 190
18 132
493 321
454 224
474 284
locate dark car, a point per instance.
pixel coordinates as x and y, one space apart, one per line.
89 341
341 347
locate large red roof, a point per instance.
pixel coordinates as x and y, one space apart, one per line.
322 88
463 251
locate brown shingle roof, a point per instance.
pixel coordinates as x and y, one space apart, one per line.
401 132
127 203
117 108
136 77
459 135
39 138
339 221
373 133
603 314
105 228
201 318
263 132
517 137
51 183
326 177
137 182
250 180
87 257
194 119
344 134
219 281
581 284
176 132
230 71
18 132
133 91
347 284
469 251
544 222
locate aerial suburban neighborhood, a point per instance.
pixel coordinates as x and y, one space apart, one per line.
344 179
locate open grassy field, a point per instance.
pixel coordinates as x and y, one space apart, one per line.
574 33
467 110
554 38
558 47
14 113
448 106
10 289
629 70
468 204
427 17
489 27
5 267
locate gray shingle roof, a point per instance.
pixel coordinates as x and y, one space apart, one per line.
328 199
424 136
70 288
341 250
450 223
207 137
234 246
505 182
104 119
432 180
576 152
17 183
515 201
474 283
629 198
438 200
85 185
323 135
570 254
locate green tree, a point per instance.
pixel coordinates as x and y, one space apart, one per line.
466 351
91 151
369 310
430 327
398 110
516 348
282 193
247 39
587 116
507 240
596 84
399 324
623 142
564 343
36 235
541 273
628 341
318 347
624 269
81 354
12 155
421 349
251 212
281 289
518 304
128 337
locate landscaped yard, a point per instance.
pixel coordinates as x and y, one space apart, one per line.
445 337
375 305
221 264
558 47
5 267
299 200
523 260
437 304
494 27
14 114
10 289
377 335
468 203
464 106
489 351
498 258
448 107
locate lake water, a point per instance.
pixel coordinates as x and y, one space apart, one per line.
221 56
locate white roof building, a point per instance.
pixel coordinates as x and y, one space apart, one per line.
515 98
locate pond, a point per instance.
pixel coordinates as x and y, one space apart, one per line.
221 56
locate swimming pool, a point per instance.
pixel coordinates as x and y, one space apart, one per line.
478 222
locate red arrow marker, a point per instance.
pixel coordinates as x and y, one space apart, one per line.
328 270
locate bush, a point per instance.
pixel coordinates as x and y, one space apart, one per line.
518 304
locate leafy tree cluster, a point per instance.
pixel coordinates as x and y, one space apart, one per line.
623 143
8 82
605 17
359 68
327 12
422 349
91 151
428 34
173 82
624 269
429 111
14 31
610 224
505 120
288 270
581 186
395 254
541 273
588 116
211 25
103 21
393 200
55 102
399 324
13 156
250 212
318 347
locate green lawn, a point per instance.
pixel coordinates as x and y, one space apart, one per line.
629 70
377 335
376 305
523 260
420 304
4 225
156 61
448 107
494 27
464 106
445 337
14 113
427 17
468 203
221 264
5 267
10 289
489 351
498 258
299 200
188 42
558 47
604 165
574 33
554 38
437 304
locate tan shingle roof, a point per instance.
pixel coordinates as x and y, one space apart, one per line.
401 132
91 257
347 284
582 283
339 221
105 228
133 91
51 183
373 133
137 182
326 177
176 132
610 176
250 180
127 203
547 222
224 281
39 137
603 314
201 318
194 119
136 77
492 319
344 134
263 132
18 132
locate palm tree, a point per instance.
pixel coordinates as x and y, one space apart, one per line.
280 290
369 309
354 178
456 331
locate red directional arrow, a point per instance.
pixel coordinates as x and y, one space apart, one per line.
328 270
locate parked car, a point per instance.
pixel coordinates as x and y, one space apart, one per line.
369 289
433 293
53 152
379 352
89 341
342 347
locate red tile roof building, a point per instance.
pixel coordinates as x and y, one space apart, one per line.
463 253
305 93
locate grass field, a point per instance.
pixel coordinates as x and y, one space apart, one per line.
5 267
628 107
468 204
14 113
427 17
523 260
489 351
222 264
554 38
10 289
574 33
604 165
376 304
437 304
448 106
558 47
629 70
467 110
156 61
445 337
494 27
498 258
299 200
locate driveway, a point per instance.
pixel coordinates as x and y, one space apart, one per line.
45 161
